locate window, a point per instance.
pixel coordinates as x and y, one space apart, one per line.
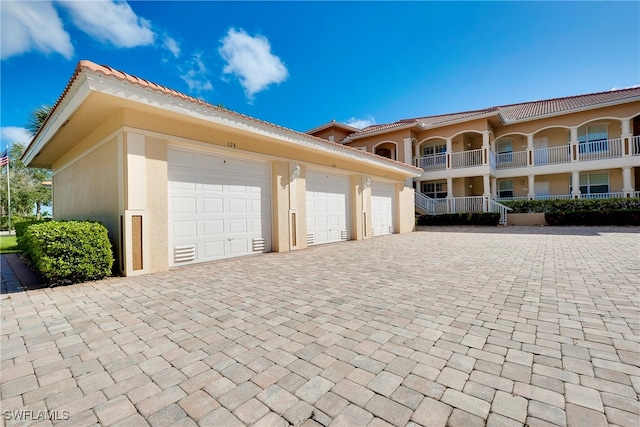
435 189
432 150
505 188
593 138
593 183
384 152
505 151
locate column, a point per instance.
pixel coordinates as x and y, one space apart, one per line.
574 144
575 183
627 186
530 156
486 184
532 185
449 188
449 151
494 188
485 150
626 136
407 151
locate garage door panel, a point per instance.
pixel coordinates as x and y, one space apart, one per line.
382 208
185 229
213 227
327 207
213 250
217 205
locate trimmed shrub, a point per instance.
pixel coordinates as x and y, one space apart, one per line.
486 218
613 217
571 205
22 226
65 252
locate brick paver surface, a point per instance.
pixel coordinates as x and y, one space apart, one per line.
444 326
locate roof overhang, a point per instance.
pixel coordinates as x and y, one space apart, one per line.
119 89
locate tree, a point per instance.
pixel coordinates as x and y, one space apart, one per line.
37 118
28 188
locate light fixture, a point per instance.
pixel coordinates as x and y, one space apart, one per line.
295 172
470 186
367 182
469 144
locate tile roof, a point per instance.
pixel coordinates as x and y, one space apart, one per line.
514 112
94 68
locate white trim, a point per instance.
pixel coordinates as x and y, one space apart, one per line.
114 134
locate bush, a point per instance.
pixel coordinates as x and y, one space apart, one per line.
66 252
571 205
612 217
486 218
22 226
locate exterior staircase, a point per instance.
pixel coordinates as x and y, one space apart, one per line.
425 205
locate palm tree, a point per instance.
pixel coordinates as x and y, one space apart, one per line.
37 118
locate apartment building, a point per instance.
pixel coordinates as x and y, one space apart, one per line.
585 146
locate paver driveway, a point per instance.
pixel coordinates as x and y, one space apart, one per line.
468 327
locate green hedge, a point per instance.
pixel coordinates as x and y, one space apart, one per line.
21 227
613 217
487 218
571 205
66 252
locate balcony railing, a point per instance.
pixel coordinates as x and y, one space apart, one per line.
606 149
465 159
635 146
597 150
516 159
552 155
434 162
611 195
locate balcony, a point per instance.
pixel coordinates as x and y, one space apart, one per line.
461 159
612 195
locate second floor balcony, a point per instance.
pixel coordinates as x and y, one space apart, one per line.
597 150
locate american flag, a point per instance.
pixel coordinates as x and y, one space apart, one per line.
4 160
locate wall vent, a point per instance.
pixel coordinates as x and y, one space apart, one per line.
344 235
258 244
184 253
311 238
391 229
373 231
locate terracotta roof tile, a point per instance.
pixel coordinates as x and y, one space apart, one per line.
145 84
514 112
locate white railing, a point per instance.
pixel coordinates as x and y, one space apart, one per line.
494 206
635 146
516 159
466 204
597 150
616 195
464 159
613 195
552 155
431 163
426 203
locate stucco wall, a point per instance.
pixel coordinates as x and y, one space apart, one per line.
406 209
88 189
157 202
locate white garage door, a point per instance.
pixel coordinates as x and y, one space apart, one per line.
219 207
327 208
382 208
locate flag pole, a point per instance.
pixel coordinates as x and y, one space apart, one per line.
8 199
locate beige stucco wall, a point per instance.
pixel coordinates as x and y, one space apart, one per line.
88 189
526 219
157 206
405 210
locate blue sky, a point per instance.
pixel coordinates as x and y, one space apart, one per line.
302 64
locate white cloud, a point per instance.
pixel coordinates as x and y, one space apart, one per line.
360 123
251 61
110 21
195 77
172 46
11 134
30 26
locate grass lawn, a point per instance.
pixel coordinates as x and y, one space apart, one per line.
8 245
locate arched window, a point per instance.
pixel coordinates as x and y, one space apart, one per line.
384 152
